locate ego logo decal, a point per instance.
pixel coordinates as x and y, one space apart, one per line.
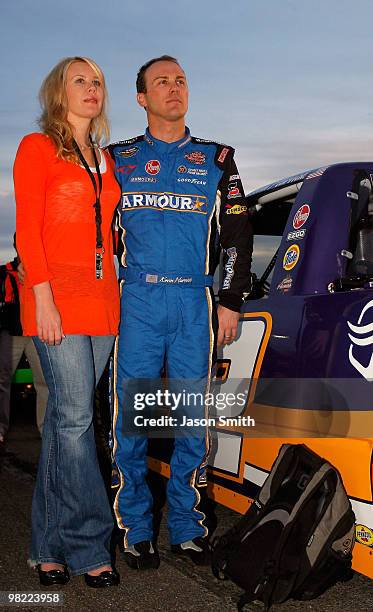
297 235
182 169
152 166
301 216
291 257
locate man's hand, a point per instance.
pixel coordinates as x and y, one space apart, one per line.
228 321
21 273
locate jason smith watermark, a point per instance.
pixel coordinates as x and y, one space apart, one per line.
185 421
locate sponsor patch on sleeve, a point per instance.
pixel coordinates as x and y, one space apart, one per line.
223 155
233 191
229 267
235 210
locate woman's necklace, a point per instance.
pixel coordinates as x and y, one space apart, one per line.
83 147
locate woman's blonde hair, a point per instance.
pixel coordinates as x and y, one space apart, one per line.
53 100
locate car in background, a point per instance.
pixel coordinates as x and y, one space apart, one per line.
22 383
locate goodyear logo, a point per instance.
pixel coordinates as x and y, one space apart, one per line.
165 201
236 210
291 257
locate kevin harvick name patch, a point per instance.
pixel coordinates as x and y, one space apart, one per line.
166 201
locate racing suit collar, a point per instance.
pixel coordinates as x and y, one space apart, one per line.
167 147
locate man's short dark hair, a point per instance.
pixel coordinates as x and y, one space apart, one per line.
140 80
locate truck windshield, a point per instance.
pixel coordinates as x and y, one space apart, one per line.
269 221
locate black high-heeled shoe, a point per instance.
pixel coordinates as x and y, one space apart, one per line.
53 576
107 578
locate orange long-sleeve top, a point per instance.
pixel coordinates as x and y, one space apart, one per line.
56 238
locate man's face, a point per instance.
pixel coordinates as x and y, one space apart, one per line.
166 94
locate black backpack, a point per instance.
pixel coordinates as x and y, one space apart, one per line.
296 539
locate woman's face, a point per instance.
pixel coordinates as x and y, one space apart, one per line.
84 92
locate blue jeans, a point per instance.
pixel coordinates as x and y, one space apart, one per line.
71 515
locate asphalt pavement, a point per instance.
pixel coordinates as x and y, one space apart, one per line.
176 586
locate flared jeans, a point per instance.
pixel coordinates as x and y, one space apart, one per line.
71 516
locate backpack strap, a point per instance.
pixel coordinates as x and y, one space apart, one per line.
250 596
13 282
3 275
263 589
219 552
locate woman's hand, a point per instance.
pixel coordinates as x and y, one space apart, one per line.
21 273
48 320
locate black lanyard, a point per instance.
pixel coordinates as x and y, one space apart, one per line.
97 206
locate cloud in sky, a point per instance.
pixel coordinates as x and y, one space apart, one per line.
286 83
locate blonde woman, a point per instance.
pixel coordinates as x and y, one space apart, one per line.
66 195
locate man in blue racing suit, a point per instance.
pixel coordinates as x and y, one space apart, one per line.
182 202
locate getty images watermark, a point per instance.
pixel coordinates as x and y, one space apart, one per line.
189 409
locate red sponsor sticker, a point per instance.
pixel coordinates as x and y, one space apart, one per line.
223 155
233 190
301 216
196 157
152 166
125 169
